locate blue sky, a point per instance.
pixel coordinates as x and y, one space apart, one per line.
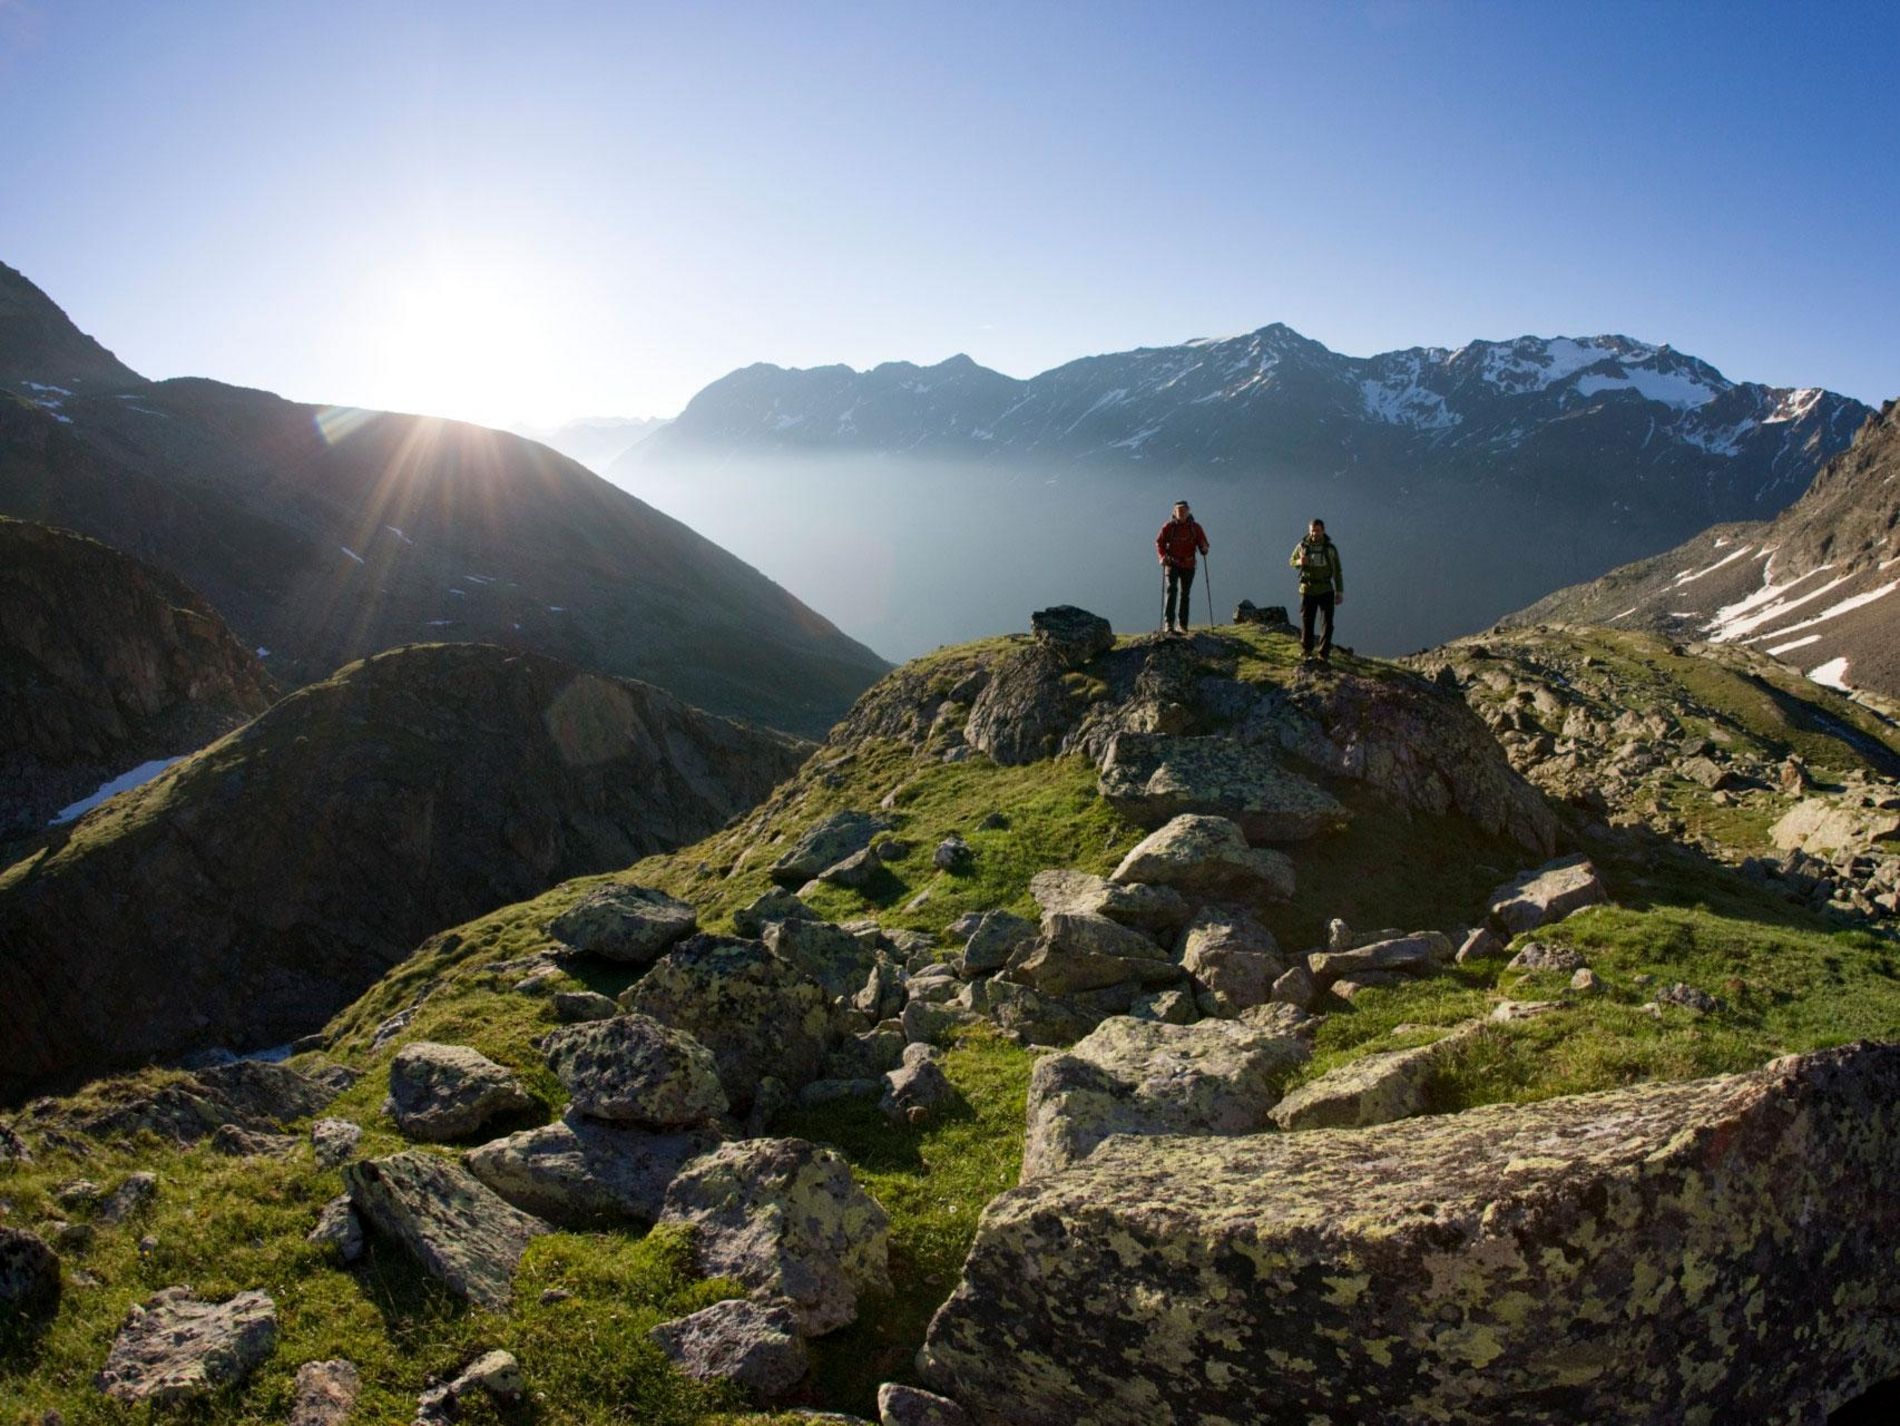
534 211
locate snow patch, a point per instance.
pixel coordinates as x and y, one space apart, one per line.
124 782
1764 606
399 534
1794 405
1845 606
1832 674
351 553
1668 388
1691 576
262 652
1779 649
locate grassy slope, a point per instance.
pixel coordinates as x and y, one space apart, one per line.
1788 983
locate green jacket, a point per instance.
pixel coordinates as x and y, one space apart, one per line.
1319 567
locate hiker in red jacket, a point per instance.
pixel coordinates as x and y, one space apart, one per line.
1180 540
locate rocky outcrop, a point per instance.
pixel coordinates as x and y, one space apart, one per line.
838 838
785 1218
1150 778
461 1232
442 1092
254 1095
109 663
1073 635
176 1348
1713 1250
1158 909
1132 1076
753 1344
583 1173
633 1070
280 871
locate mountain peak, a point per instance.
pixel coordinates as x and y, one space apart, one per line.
43 356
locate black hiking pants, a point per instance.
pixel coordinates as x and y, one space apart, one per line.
1177 583
1322 605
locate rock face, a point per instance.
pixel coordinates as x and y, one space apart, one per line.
429 784
1150 778
785 1218
455 1226
110 663
1548 893
29 1273
1207 855
758 1014
634 924
634 1070
176 1348
1133 1076
442 1092
755 1344
582 1173
1715 1250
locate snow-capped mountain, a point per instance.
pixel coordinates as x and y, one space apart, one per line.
1819 586
1557 420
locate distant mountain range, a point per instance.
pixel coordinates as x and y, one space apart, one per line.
1462 482
594 441
323 534
1816 586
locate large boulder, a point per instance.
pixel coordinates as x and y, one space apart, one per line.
583 1173
755 1344
1232 959
997 936
461 1232
830 955
1073 635
758 1013
1717 1250
631 1069
1207 856
1151 778
1825 825
175 1347
29 1274
1160 909
785 1218
1078 952
841 835
1547 893
634 924
441 1092
1132 1076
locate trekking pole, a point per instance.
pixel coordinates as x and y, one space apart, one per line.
1207 570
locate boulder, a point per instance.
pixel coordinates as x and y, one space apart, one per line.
830 955
785 1218
634 1070
1207 855
1150 779
917 1089
131 1198
334 1141
338 1229
927 1024
1295 987
1824 825
1374 1089
754 1344
1717 1250
774 904
867 1055
1160 909
442 1092
1403 955
757 1012
176 1348
996 937
841 835
1547 893
1170 1007
951 854
1232 959
235 1143
324 1393
1073 635
1478 945
496 1375
1691 998
626 923
583 1173
1709 773
29 1274
899 1405
576 1007
1536 955
1133 1076
462 1233
1076 952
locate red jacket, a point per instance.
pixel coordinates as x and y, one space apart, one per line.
1178 541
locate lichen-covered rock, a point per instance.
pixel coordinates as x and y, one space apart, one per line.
29 1274
582 1172
1400 955
334 1140
622 922
1207 856
841 835
1160 909
441 1092
830 955
785 1218
758 1013
324 1393
1151 778
462 1232
1823 824
1232 959
899 1405
917 1089
1374 1089
1082 952
1170 1007
1133 1076
1547 893
634 1070
577 1007
1537 955
1072 634
1711 1251
176 1348
996 937
773 904
755 1344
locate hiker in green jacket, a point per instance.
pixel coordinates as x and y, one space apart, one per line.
1322 586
